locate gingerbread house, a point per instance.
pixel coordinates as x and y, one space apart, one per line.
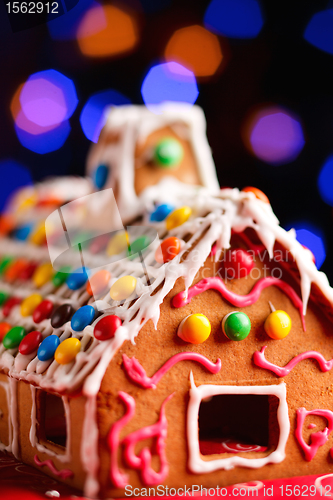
201 356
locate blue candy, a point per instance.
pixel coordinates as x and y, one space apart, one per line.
22 232
48 347
82 318
100 176
77 278
161 212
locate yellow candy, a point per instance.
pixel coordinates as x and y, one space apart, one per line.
123 288
38 236
30 303
195 328
43 274
178 217
67 350
118 244
28 202
277 325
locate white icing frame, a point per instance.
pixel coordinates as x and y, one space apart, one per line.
3 447
196 464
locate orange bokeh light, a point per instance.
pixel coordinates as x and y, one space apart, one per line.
195 48
107 31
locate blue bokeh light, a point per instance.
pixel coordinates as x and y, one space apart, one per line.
234 18
319 31
325 181
169 82
14 175
93 118
44 143
65 27
313 238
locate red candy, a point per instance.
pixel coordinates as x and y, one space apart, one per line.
43 311
238 263
257 193
9 304
30 343
106 327
168 250
27 272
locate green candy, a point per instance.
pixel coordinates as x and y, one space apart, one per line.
4 263
138 245
13 338
3 297
61 276
236 326
168 153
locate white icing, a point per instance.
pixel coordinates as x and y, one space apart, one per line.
89 448
197 394
7 389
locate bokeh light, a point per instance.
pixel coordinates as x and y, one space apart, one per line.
107 31
93 115
195 48
312 238
319 31
45 142
325 181
65 27
234 18
273 135
14 176
169 82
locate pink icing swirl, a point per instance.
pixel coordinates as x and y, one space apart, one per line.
63 474
317 439
260 360
138 375
216 283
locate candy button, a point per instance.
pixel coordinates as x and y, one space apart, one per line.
257 193
238 263
161 212
106 327
168 153
77 278
236 325
9 304
138 245
4 328
48 347
30 343
5 261
195 329
82 318
67 351
14 269
82 240
43 274
99 244
3 297
27 272
118 243
61 315
123 288
168 250
42 311
278 325
22 232
61 276
30 303
177 217
13 338
38 236
7 224
98 282
100 176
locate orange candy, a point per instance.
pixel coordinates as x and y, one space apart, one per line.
4 328
168 250
15 269
7 224
98 282
257 193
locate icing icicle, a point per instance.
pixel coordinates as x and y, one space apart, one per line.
216 283
63 473
260 360
317 439
137 373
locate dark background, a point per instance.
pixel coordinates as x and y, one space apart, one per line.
277 67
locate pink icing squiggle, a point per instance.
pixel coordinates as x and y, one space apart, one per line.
143 461
260 360
64 473
119 478
215 283
317 439
138 375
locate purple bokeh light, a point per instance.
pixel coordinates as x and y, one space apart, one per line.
46 142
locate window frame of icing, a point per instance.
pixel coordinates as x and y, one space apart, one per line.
198 393
61 453
3 446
